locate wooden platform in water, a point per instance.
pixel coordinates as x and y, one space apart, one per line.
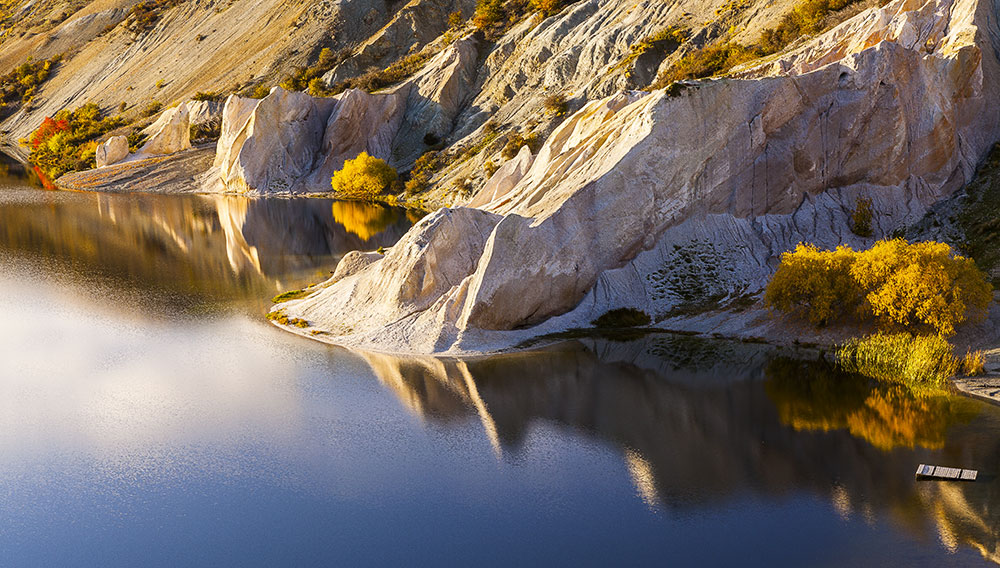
947 473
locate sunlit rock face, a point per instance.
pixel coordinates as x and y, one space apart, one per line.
654 201
114 150
292 142
170 133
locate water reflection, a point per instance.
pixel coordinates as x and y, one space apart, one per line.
886 415
14 173
731 419
218 248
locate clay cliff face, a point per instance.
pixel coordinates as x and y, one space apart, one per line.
891 105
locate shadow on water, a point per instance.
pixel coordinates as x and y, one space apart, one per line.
707 421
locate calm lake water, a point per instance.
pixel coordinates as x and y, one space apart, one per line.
149 416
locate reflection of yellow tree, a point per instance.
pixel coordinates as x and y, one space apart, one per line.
886 415
364 219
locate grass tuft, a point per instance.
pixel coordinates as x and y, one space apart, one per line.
923 360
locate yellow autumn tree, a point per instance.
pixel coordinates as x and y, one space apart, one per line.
921 284
816 283
364 177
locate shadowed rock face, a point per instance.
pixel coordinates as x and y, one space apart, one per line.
703 423
891 105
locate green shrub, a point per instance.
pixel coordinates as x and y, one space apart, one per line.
423 170
861 217
364 177
455 20
622 317
545 7
488 14
290 295
207 96
303 78
210 130
375 79
20 85
808 17
144 15
515 141
556 104
152 108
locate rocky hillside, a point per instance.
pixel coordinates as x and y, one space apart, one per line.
685 196
594 172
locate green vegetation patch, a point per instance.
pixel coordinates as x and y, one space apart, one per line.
861 217
19 86
290 295
622 317
808 17
144 15
980 215
279 316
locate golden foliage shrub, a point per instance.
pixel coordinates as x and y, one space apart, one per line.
814 283
921 284
364 177
899 284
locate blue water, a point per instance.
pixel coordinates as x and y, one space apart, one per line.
149 416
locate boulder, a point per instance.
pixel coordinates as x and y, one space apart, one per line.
169 133
271 144
112 151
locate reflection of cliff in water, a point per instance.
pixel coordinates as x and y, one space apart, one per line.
216 246
732 420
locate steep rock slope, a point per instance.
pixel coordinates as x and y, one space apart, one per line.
190 46
292 142
652 200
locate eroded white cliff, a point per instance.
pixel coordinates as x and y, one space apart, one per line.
655 201
292 142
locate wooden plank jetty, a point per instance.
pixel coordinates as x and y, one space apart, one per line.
948 473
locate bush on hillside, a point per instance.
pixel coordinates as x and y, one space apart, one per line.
545 7
921 284
814 283
898 284
808 17
68 141
364 177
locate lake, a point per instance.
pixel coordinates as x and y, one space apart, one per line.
152 417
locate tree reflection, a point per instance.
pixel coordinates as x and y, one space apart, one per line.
817 396
364 219
701 422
